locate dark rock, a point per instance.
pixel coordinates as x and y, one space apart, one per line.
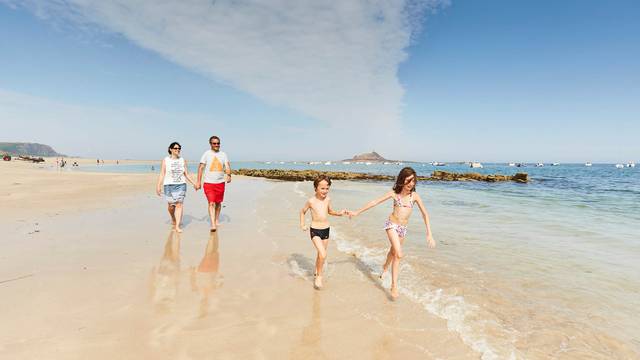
310 175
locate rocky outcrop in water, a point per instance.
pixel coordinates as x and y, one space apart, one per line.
449 176
310 175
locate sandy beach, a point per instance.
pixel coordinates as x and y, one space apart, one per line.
90 269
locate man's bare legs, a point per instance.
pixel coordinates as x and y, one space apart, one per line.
321 247
218 208
172 213
178 217
212 216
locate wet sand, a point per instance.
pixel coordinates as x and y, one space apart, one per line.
90 269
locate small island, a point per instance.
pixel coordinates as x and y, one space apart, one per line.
369 157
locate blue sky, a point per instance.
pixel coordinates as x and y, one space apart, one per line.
467 80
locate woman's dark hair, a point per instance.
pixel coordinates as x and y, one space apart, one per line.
316 182
402 177
172 145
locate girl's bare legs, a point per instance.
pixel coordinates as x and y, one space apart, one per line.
172 213
321 247
387 262
396 247
178 216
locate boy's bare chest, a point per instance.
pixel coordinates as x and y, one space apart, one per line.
319 206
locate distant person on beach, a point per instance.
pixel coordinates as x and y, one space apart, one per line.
217 171
404 197
174 175
320 205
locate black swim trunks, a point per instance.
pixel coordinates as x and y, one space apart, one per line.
321 233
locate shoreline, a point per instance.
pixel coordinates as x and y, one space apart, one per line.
113 281
90 259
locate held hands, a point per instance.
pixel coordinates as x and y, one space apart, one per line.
351 214
430 242
197 186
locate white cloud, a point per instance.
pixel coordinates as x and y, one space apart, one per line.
335 61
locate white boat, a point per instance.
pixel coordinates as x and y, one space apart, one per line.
346 162
368 163
328 163
555 164
386 163
539 165
435 163
268 162
631 164
512 164
619 166
588 164
476 165
281 162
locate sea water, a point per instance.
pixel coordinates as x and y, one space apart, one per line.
547 269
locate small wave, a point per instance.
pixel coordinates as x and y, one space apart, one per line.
296 189
453 309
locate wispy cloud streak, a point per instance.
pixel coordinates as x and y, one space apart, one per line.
335 61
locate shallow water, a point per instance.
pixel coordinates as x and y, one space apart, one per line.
540 270
533 276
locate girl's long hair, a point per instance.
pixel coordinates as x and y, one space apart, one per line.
402 176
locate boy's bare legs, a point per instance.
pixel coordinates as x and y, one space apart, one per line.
172 213
178 217
396 246
212 216
321 247
218 208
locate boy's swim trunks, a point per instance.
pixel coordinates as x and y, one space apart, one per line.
321 233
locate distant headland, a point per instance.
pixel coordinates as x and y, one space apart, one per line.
370 157
33 149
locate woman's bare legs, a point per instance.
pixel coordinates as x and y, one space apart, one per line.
178 216
172 213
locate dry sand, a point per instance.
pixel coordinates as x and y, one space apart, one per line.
90 270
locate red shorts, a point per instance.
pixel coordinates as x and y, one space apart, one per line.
214 192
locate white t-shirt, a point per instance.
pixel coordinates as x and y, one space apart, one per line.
174 171
213 170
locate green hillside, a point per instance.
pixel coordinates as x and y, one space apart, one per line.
32 149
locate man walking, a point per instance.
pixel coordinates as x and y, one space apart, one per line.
217 171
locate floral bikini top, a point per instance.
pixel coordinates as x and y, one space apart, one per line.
398 202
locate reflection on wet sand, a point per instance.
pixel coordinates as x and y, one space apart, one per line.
205 278
310 340
165 277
